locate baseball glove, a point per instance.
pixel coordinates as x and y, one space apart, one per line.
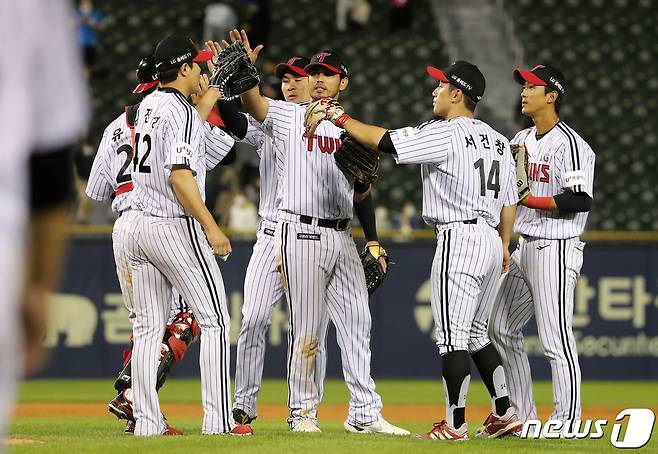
322 109
374 271
356 160
234 73
520 155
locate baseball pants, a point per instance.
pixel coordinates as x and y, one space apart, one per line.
321 274
541 282
262 291
465 271
166 252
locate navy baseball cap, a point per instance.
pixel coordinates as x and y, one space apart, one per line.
173 51
147 76
327 59
463 75
542 75
294 65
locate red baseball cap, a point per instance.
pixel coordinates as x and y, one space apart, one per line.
463 75
294 65
543 76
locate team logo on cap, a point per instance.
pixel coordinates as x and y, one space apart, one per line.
322 55
557 83
461 82
292 61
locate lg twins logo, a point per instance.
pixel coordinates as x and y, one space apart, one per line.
638 429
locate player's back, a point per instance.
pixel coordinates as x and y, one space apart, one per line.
112 168
467 170
167 129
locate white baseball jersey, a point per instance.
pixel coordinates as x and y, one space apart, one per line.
269 167
111 172
559 161
168 131
43 106
467 169
310 183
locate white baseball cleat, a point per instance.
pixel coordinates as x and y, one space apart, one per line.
380 426
307 425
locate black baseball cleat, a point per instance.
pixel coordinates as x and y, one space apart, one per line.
241 417
130 428
121 407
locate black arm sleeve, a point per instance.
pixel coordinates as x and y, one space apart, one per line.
229 158
233 118
386 144
573 202
365 211
51 178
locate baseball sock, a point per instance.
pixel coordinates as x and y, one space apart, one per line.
456 378
491 370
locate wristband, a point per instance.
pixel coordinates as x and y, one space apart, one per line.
340 121
540 203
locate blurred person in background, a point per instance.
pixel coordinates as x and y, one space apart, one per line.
88 22
42 85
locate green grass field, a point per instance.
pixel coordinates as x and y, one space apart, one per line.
104 433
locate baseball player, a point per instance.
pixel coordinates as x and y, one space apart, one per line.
111 177
469 191
262 285
544 268
43 113
320 267
172 240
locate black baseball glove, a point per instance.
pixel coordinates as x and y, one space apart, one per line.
234 73
356 160
374 271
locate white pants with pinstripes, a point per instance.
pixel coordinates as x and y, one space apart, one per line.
262 291
541 282
322 274
465 270
119 241
174 251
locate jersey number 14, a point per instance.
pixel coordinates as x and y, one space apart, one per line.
492 180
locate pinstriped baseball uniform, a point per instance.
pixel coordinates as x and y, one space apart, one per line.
321 270
111 174
262 287
168 248
468 176
543 273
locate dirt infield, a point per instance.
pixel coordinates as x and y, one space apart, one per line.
280 411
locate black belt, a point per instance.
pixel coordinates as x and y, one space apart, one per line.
471 221
336 224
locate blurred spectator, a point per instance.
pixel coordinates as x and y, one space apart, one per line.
352 12
219 20
258 21
408 222
88 22
382 218
243 214
400 14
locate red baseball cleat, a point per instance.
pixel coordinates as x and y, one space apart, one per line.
444 431
241 430
498 426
